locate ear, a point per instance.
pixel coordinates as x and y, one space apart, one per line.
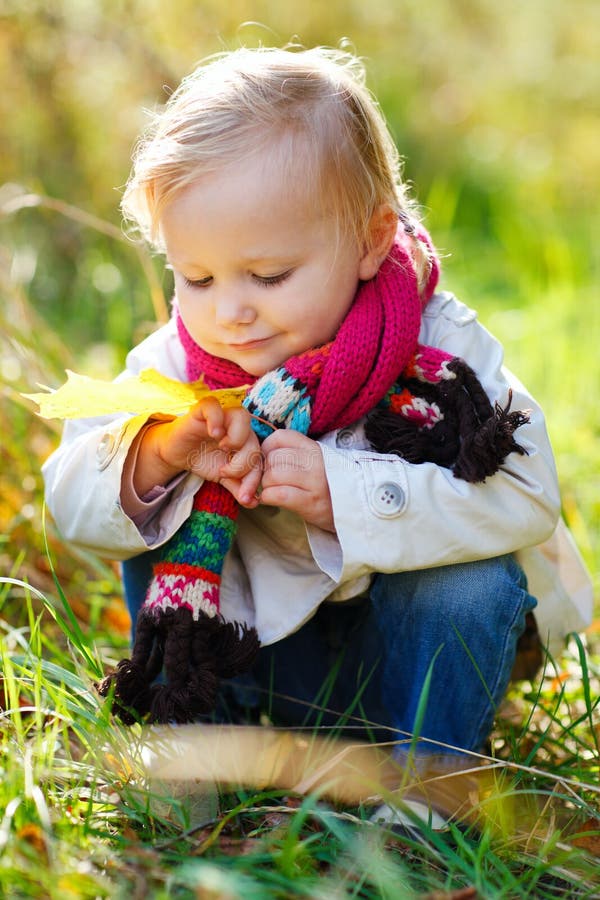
382 231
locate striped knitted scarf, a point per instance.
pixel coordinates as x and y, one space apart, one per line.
420 403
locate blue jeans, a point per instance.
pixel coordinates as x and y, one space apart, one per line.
436 645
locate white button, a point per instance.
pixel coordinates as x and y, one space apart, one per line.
387 499
105 450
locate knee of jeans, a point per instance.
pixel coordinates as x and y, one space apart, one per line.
465 592
493 596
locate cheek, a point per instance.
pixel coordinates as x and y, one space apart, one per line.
335 311
190 305
319 326
194 318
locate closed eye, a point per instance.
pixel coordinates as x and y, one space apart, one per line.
197 282
272 280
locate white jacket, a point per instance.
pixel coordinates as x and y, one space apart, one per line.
390 515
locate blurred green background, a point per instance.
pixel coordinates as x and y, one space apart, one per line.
495 108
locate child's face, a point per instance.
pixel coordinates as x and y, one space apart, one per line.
259 273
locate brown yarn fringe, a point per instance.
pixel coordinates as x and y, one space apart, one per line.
473 439
195 654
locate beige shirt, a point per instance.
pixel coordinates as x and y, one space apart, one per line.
390 515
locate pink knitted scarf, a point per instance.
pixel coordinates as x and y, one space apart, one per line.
346 378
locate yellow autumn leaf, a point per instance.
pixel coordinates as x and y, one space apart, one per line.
144 394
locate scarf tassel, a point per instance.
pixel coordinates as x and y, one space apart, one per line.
194 654
450 422
180 630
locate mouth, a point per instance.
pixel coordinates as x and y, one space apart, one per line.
250 345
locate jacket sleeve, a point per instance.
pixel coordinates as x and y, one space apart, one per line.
391 515
83 475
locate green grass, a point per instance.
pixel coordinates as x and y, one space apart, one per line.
78 820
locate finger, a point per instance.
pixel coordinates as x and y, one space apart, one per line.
249 485
245 497
290 465
285 495
206 461
282 477
294 466
313 508
291 454
285 438
241 461
210 411
238 428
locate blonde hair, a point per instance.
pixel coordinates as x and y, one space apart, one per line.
242 100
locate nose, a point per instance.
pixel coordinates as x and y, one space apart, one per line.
232 308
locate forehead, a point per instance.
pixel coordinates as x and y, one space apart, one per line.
289 165
279 172
261 207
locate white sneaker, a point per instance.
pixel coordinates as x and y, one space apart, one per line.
404 815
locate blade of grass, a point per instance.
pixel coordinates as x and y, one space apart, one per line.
589 704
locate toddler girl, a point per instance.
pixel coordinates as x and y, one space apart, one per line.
373 581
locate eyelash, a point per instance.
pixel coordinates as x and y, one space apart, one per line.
264 280
271 280
196 284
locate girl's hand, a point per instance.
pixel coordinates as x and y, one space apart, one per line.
294 478
214 443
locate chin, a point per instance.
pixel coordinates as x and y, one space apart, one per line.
258 367
256 370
